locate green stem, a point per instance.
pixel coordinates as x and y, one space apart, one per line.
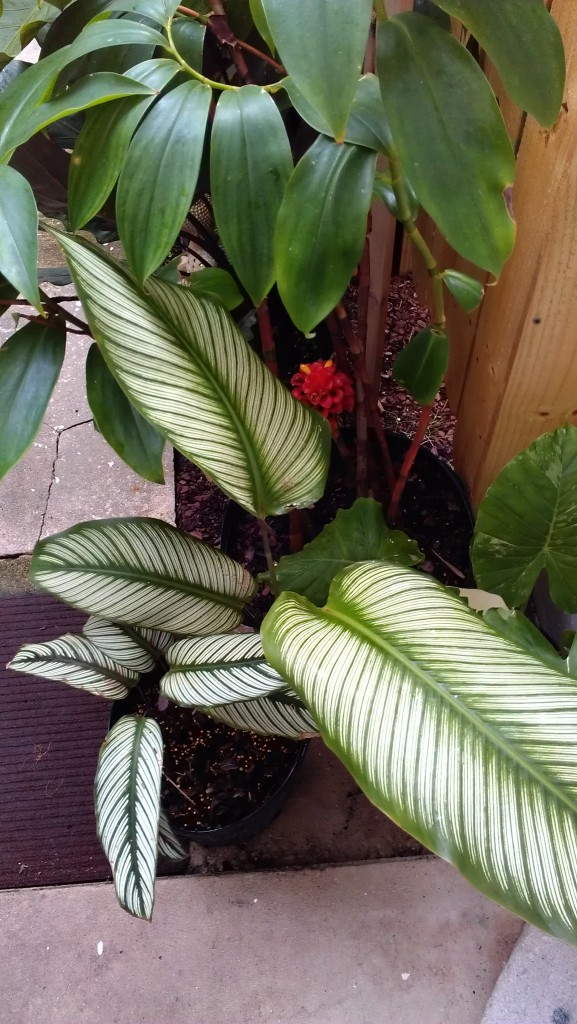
381 11
269 558
221 86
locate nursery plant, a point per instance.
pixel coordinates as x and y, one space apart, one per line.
457 724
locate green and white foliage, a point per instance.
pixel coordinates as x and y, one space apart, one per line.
121 643
168 844
460 736
145 573
127 802
217 670
282 714
79 662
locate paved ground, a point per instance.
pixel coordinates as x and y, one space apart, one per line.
538 985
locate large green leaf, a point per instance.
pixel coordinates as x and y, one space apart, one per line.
321 228
185 365
260 22
159 175
367 124
221 669
450 135
463 739
103 140
80 663
18 234
20 20
356 534
421 365
127 803
132 437
322 46
188 37
250 166
527 523
523 41
30 362
216 284
121 643
145 573
278 715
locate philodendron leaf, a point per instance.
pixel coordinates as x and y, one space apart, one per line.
517 628
19 234
322 46
145 573
321 228
450 136
168 845
458 735
80 663
421 366
356 534
278 715
127 803
132 437
250 165
527 523
367 125
185 365
467 291
221 669
159 175
525 44
30 362
121 643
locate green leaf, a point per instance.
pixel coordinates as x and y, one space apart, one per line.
463 739
132 437
159 175
216 284
322 46
383 190
467 291
188 36
367 125
421 366
321 228
103 140
218 670
168 845
185 365
121 643
523 41
19 234
278 715
20 20
260 23
80 663
450 136
30 362
514 626
527 523
250 165
158 10
356 534
433 11
145 573
127 803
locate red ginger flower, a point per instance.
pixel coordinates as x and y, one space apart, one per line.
324 388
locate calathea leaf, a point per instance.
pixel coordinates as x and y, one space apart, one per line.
127 802
145 573
19 234
185 365
168 845
80 663
121 643
421 366
461 737
277 715
221 669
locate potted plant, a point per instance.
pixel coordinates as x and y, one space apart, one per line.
459 726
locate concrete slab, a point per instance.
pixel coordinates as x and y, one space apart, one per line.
23 495
401 941
538 985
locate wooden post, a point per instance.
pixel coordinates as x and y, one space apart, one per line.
521 379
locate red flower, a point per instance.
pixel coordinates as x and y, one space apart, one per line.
324 388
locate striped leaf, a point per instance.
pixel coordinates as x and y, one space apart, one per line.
121 643
281 715
145 573
459 735
76 660
218 670
127 802
168 845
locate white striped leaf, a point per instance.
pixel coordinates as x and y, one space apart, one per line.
460 736
279 715
80 663
121 643
127 802
145 573
207 671
168 845
186 367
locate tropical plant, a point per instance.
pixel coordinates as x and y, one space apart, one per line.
460 727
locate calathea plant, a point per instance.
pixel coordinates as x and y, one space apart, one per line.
461 729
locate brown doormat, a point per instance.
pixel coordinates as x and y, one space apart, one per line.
49 741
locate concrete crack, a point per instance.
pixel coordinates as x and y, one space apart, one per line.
59 434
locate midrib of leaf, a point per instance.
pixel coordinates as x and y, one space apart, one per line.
166 582
213 666
76 662
494 737
131 796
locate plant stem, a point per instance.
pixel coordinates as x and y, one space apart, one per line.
408 462
181 791
380 10
267 337
206 20
268 555
222 86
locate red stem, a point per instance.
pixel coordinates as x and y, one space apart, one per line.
408 462
238 42
266 337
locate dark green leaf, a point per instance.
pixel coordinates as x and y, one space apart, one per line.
18 234
70 23
383 189
450 136
158 10
514 626
433 11
216 284
45 167
251 164
367 124
467 291
524 42
321 228
357 534
527 523
260 23
20 20
30 362
421 366
137 442
322 46
188 36
159 176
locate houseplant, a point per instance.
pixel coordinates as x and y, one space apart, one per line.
457 732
